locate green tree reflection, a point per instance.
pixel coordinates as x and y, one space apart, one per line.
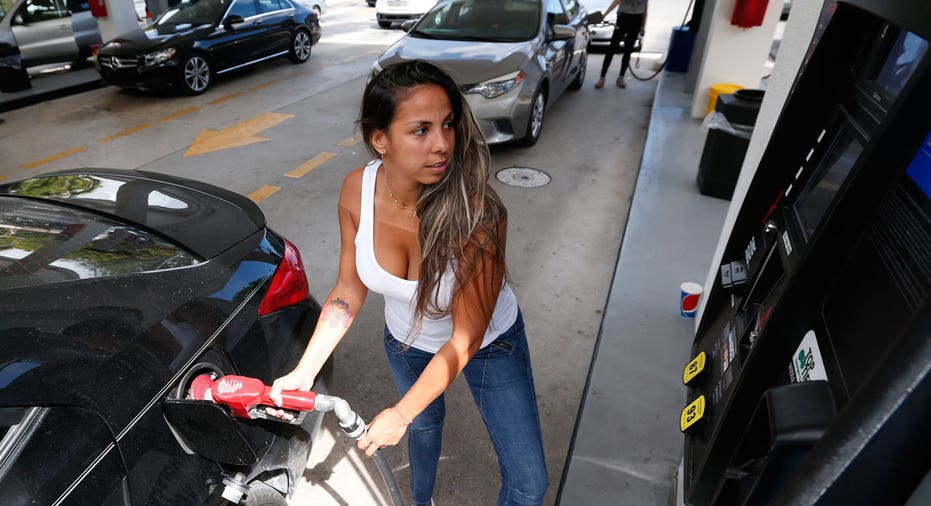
57 186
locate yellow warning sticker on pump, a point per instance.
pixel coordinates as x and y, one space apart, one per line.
692 413
693 368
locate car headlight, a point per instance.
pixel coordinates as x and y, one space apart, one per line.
159 57
497 86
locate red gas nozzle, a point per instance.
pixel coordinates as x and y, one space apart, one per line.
247 397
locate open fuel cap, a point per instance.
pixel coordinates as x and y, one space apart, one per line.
692 415
694 369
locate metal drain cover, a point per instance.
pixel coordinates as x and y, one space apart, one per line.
524 177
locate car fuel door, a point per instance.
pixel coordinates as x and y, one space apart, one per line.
43 31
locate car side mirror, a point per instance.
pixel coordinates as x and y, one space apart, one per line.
563 32
407 25
233 19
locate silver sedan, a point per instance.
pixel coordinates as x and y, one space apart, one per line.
511 59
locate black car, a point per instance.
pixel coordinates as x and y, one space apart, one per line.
197 39
117 289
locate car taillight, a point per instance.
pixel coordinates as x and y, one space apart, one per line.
288 286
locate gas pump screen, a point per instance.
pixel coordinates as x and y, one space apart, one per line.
817 195
919 170
903 58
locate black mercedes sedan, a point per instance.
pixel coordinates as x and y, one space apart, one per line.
196 40
117 288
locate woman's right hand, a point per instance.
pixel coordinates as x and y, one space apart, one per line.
298 379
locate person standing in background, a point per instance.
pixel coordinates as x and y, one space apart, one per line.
631 20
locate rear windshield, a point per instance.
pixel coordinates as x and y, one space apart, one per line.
481 20
42 243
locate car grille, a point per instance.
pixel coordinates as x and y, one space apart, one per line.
118 62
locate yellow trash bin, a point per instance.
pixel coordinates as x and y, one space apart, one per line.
719 89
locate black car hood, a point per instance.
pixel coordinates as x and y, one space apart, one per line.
205 219
155 37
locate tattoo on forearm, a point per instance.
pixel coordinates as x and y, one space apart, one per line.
337 313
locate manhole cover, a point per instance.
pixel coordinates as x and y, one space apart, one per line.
524 177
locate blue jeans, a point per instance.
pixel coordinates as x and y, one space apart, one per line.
501 381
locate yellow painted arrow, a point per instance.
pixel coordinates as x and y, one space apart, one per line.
240 134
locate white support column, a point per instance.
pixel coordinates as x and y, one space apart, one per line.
732 54
121 18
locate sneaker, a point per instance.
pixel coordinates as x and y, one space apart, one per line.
600 84
621 83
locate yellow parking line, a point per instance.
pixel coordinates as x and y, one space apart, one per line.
350 141
263 193
263 85
297 74
124 133
178 114
63 154
224 99
357 56
310 165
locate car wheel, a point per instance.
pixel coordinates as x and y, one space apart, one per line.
195 74
300 47
262 494
535 121
580 77
384 24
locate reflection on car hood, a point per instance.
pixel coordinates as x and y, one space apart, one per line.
466 62
154 37
201 217
49 447
111 345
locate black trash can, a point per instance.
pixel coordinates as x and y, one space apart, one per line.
726 146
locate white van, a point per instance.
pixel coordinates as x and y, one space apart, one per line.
396 11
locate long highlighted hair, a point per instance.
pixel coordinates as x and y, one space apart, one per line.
462 219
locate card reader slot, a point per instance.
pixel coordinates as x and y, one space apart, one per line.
767 278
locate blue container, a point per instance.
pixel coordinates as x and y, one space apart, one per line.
680 49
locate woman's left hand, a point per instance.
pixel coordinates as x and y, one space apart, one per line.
386 429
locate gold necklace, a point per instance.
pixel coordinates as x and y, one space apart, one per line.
413 210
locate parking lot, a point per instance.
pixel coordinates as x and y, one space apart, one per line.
284 135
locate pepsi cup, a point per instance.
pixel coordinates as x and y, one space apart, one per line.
688 299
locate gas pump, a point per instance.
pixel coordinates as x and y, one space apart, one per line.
810 379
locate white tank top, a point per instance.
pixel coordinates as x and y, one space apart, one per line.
399 293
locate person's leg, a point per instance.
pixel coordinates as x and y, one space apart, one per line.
501 380
425 433
630 25
613 47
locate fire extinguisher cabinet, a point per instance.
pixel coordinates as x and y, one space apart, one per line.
749 13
